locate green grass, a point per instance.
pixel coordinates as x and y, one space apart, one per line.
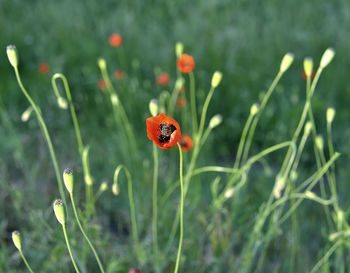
246 41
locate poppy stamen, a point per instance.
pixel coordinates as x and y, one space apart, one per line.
166 132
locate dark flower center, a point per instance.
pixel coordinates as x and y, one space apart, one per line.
165 132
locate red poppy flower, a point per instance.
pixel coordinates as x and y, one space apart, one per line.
102 85
163 79
44 68
164 131
115 40
185 63
186 142
181 102
134 270
119 74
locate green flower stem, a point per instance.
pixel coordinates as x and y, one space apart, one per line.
193 104
182 204
85 235
258 115
71 107
25 261
123 122
173 98
243 140
69 248
45 133
133 220
155 206
325 258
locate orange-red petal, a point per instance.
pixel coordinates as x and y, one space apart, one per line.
154 133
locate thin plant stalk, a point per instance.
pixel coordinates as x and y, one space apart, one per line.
69 248
85 235
25 261
155 206
193 104
45 133
82 152
133 220
261 109
182 204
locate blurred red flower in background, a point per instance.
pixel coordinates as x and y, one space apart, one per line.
115 40
186 142
102 85
44 68
119 74
163 79
185 63
181 102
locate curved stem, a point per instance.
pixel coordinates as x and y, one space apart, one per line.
182 204
69 248
85 235
25 261
46 135
71 107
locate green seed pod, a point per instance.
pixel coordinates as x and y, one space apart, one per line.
327 57
179 48
58 208
319 142
153 107
330 114
216 79
17 239
62 103
215 121
68 179
12 55
286 62
103 186
102 63
308 67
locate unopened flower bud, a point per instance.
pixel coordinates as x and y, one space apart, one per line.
153 107
229 193
115 189
319 142
307 128
103 186
286 62
114 99
216 79
68 179
179 48
179 83
330 114
17 239
254 109
62 103
310 195
12 55
279 186
102 63
58 208
327 57
26 114
215 121
308 67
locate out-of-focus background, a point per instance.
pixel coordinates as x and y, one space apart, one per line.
246 40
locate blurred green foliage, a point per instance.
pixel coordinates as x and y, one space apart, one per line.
244 39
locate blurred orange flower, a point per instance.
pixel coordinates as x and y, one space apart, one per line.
181 102
115 40
186 143
185 63
134 270
44 68
163 79
119 74
164 131
102 85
